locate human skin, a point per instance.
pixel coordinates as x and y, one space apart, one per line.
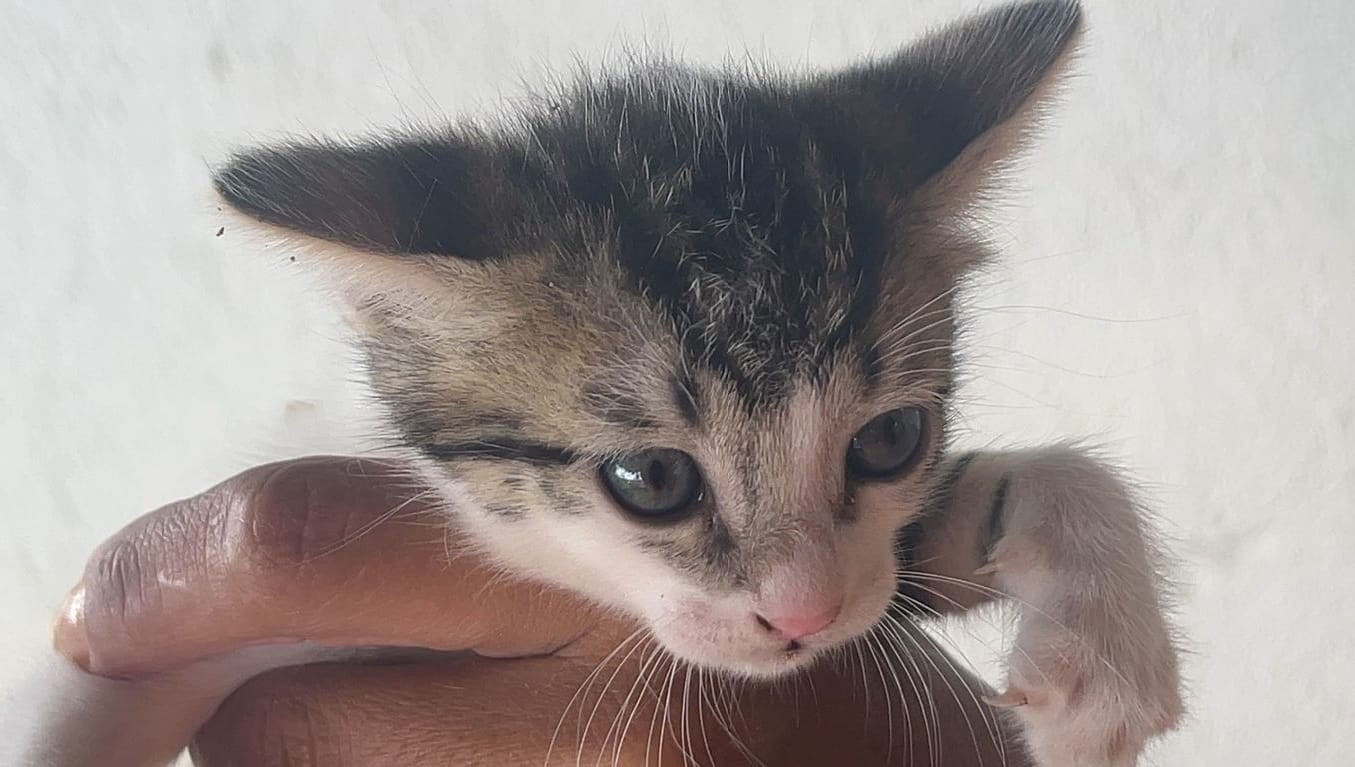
305 560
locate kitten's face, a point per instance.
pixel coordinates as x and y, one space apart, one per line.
735 491
681 343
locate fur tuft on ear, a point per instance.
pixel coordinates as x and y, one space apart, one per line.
440 195
936 120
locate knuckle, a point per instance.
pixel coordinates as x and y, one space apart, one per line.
294 514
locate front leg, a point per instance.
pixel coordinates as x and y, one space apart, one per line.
1093 673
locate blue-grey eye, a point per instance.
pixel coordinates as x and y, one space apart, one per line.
887 445
654 483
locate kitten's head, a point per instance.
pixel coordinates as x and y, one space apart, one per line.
681 341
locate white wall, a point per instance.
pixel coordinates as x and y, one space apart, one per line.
1178 284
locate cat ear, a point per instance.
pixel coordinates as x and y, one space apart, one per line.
382 220
938 120
434 196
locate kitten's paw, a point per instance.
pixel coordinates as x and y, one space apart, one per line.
1081 706
1093 673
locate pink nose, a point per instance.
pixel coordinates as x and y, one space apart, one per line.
800 623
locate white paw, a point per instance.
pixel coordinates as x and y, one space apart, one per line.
1093 674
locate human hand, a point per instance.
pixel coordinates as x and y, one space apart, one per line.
312 560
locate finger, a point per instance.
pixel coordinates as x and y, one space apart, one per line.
473 712
637 709
333 550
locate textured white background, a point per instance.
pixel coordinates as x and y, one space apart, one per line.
1178 282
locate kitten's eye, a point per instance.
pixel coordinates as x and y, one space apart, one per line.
653 483
886 445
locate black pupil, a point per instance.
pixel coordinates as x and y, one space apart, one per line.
657 476
890 430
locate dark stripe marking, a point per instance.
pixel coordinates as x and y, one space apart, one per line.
618 407
684 393
508 512
872 366
995 512
501 449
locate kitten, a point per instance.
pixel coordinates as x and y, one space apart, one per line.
683 342
691 328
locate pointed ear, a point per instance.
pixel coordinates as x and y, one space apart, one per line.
937 121
437 196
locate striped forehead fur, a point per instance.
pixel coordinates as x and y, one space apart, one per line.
720 206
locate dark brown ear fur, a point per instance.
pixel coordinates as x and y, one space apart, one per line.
441 195
949 110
